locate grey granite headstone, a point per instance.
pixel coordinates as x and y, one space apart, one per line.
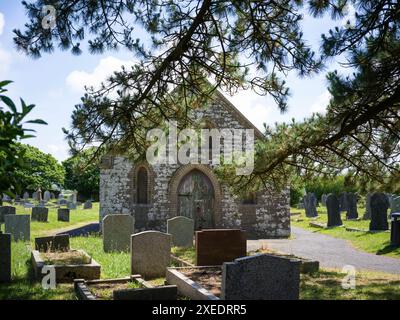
87 205
71 205
63 215
40 214
261 277
379 206
117 231
19 226
34 195
367 214
26 196
46 196
351 206
310 205
333 208
182 230
5 257
4 210
323 199
150 253
395 206
52 243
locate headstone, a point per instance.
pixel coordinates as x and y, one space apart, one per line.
62 202
351 206
117 231
52 196
150 253
52 243
343 201
46 196
87 205
261 277
39 195
63 215
19 226
4 210
333 208
26 196
310 204
182 230
390 198
6 198
395 206
5 257
40 214
34 195
216 246
367 214
379 206
71 206
323 199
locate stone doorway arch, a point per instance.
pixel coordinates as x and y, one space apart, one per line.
186 180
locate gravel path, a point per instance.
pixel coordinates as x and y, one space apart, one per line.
330 252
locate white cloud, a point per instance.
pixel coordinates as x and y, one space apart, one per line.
77 80
321 103
5 62
60 152
2 23
256 108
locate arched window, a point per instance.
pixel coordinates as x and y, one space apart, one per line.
142 186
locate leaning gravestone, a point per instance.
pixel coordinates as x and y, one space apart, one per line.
46 196
5 210
333 208
395 206
216 246
52 243
5 257
87 205
379 206
150 253
40 214
182 230
19 226
117 231
351 206
261 277
63 215
310 205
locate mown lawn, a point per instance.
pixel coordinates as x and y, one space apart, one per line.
377 243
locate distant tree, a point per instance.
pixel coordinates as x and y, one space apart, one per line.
12 130
39 170
82 174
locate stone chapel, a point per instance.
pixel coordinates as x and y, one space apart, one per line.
153 194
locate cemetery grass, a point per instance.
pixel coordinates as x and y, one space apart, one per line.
376 243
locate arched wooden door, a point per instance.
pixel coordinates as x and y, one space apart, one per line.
196 199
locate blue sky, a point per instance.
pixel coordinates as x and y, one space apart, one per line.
55 82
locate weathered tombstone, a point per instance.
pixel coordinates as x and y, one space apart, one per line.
379 206
5 257
261 277
310 204
216 246
117 231
323 199
390 198
5 210
26 195
40 214
87 205
182 230
150 253
63 215
52 243
62 202
39 195
395 206
19 226
34 195
46 196
343 201
351 206
333 208
71 206
367 214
